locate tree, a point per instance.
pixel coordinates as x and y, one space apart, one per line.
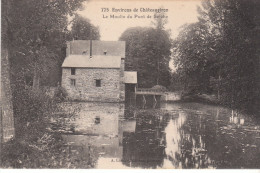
6 103
234 25
159 24
37 37
191 52
82 29
220 51
146 50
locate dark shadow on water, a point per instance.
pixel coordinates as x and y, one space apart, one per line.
175 135
145 147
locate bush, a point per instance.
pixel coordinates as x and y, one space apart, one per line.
60 94
31 111
49 151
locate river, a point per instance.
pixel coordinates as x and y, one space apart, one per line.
176 135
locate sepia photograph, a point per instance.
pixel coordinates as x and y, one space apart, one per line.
130 84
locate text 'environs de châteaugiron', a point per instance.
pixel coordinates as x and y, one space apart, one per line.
157 10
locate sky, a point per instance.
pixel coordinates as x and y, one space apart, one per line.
179 12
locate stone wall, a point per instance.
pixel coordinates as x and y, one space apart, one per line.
121 82
85 88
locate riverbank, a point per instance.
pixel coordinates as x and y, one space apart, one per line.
34 146
201 98
212 100
49 151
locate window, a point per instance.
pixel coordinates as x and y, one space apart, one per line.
84 52
73 71
97 120
98 83
73 82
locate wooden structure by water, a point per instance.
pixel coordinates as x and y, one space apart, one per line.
148 98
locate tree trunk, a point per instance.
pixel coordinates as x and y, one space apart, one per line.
218 87
7 119
158 71
36 79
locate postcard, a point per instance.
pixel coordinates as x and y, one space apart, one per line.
120 84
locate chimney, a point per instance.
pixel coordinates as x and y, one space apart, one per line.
90 52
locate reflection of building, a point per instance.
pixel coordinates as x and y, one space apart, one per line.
94 71
145 146
98 118
103 138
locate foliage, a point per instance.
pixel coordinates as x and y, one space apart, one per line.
37 35
191 57
35 41
32 109
82 29
60 94
34 142
148 53
218 54
49 151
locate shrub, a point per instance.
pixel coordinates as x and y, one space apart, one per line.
31 111
60 94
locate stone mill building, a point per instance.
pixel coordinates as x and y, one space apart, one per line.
94 71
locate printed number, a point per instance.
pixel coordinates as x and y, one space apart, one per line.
105 9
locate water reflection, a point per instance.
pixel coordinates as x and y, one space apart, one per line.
236 118
98 132
187 135
145 147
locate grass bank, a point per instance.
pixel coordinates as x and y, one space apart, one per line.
34 146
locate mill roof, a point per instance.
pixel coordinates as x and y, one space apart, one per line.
98 61
112 48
